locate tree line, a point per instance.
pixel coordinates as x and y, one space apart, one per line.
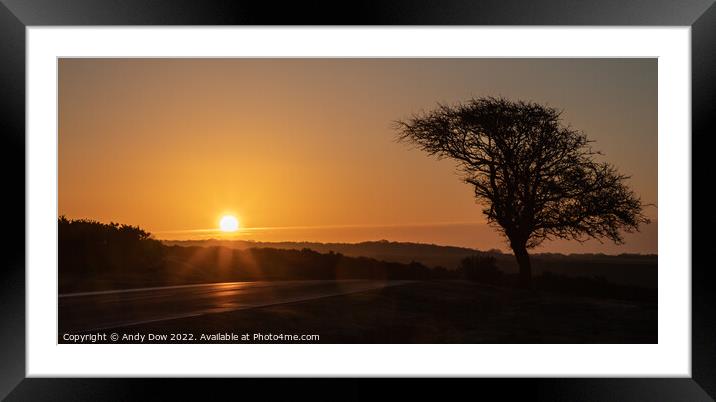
95 255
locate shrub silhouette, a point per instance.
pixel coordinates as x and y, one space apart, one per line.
87 246
480 268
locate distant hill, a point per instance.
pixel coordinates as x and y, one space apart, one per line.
629 269
428 254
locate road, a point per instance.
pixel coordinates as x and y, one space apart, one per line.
92 311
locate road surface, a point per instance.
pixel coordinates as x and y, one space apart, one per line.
92 311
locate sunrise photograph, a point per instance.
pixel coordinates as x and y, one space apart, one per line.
357 200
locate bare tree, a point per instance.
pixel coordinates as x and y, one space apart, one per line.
537 178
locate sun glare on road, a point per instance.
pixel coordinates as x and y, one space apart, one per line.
229 223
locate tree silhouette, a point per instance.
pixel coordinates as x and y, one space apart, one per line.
537 178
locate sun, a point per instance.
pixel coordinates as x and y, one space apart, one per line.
229 223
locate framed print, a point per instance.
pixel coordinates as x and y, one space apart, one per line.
401 191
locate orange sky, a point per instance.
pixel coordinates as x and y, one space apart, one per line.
302 149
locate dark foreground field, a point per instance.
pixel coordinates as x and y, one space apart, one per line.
426 312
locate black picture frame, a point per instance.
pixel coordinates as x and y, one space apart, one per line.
16 15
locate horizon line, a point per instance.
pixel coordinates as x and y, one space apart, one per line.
345 226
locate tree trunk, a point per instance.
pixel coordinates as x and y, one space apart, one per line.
523 260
